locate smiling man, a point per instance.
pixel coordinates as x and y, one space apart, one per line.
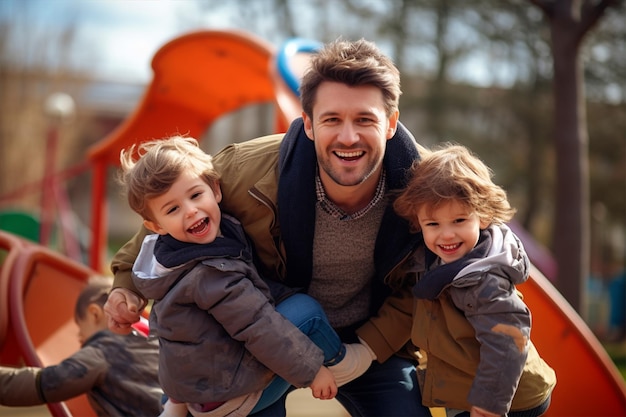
315 202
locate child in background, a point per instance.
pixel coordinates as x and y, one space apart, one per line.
474 327
118 373
224 347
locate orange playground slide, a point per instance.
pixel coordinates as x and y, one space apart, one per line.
588 382
198 77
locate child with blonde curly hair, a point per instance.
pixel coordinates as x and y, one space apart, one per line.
231 342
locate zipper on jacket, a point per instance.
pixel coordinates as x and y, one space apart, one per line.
267 202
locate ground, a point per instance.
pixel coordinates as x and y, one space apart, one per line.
300 403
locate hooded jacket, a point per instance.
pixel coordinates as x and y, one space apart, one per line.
475 329
260 175
219 333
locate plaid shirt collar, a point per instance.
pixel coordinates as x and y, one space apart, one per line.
332 209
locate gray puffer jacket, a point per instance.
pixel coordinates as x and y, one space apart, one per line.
220 335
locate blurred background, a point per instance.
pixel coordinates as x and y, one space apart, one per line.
537 90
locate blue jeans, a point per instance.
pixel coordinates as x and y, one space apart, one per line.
389 389
308 316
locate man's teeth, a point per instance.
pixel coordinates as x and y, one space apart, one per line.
354 154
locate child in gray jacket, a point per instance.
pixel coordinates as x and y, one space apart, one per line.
118 373
226 347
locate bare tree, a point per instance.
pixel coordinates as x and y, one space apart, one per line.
570 21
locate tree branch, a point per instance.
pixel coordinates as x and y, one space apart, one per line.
592 11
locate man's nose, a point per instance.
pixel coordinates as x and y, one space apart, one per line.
348 134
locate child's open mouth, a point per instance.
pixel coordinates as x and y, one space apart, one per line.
200 227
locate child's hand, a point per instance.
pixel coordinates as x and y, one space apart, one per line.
481 412
324 386
123 309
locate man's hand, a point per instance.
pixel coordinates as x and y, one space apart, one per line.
123 309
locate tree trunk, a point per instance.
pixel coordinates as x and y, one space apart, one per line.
570 21
571 225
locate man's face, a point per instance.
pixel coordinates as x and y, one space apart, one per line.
350 130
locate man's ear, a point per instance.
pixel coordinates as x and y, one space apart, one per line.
154 227
393 124
308 126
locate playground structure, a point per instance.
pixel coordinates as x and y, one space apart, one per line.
199 77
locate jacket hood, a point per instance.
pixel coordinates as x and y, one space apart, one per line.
506 255
149 276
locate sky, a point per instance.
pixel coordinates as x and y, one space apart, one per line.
128 32
117 38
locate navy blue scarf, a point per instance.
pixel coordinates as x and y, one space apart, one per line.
171 253
434 281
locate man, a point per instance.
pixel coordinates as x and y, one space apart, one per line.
316 203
